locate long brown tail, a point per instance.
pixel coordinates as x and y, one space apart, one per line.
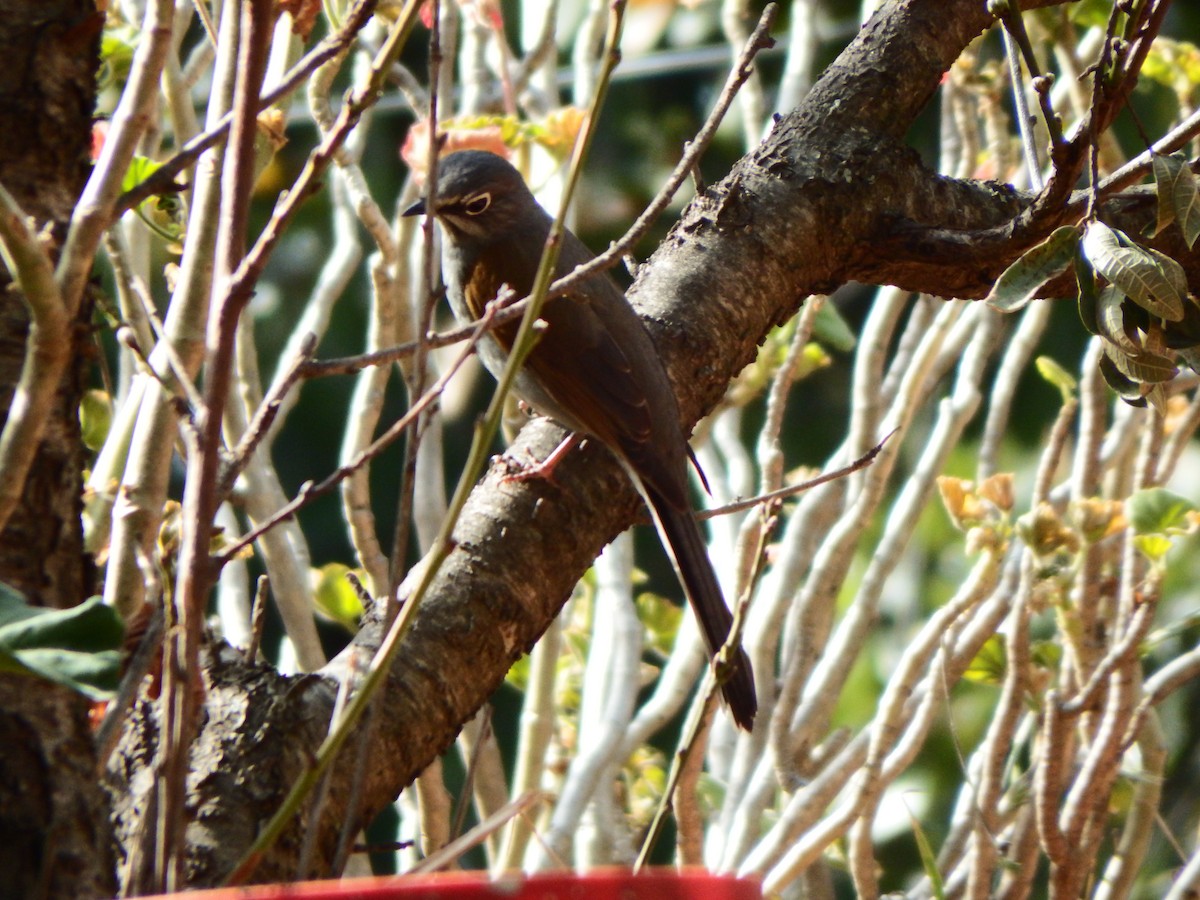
684 542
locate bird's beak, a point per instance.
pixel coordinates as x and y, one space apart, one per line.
417 209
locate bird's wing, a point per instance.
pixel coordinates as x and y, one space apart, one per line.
609 382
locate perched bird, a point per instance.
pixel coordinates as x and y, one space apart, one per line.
594 369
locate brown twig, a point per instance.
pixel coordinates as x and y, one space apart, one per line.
468 786
478 834
426 302
792 489
348 365
181 667
258 618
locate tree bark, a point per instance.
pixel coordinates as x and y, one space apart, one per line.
54 832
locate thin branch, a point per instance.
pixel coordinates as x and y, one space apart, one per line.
181 668
1014 38
742 70
522 806
793 489
251 267
537 729
47 350
698 718
260 425
1120 654
97 208
348 365
310 491
258 618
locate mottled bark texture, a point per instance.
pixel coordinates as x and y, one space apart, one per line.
55 839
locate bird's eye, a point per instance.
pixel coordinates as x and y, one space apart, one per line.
478 204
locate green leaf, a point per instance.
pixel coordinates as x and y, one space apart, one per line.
1174 64
1157 398
928 858
1057 376
335 596
77 647
140 168
1157 511
13 606
1151 280
661 618
91 626
1036 267
95 675
1110 319
989 663
117 47
95 418
1143 367
1091 13
1178 199
1046 654
1085 278
1191 356
518 674
1126 388
1152 546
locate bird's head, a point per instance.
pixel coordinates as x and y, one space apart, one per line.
479 198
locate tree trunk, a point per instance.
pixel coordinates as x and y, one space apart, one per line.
55 838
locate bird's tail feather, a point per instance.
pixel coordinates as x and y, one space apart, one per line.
689 554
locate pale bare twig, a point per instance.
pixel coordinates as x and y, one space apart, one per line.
536 730
609 693
98 205
47 351
260 425
1014 362
521 806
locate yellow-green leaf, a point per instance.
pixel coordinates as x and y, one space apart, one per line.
1151 280
1178 199
1157 511
989 663
335 596
1036 267
1056 375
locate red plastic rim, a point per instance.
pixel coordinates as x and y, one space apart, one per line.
601 884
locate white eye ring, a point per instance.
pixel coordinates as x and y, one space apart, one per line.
478 204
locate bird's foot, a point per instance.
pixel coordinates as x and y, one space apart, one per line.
529 470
